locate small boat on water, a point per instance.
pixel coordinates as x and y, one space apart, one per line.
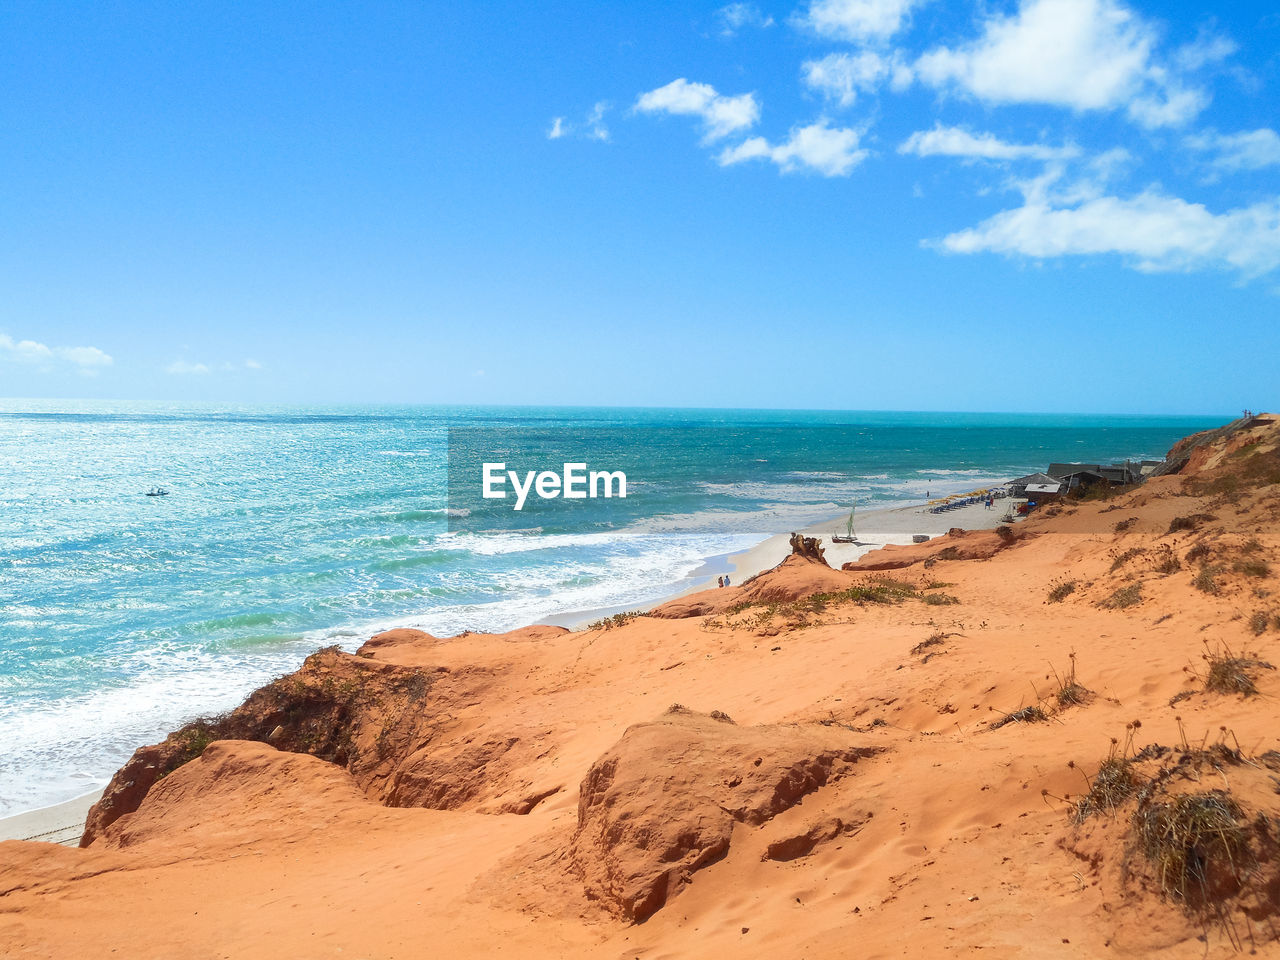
849 536
157 492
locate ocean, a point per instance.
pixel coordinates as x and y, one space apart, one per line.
123 616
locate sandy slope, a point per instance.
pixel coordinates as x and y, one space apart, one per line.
851 797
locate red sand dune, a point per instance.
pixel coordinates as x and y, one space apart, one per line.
883 788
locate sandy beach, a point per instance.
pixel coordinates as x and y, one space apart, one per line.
60 823
958 745
874 529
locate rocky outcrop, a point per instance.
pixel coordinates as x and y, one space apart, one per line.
240 791
810 548
662 803
803 573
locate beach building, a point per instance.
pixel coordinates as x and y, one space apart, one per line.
1037 486
1074 475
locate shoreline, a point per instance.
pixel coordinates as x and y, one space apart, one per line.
873 528
63 822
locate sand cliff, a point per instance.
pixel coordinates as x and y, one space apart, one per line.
1058 740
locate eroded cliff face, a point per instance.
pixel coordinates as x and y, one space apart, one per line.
353 712
390 725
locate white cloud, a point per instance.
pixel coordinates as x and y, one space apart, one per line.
1111 164
735 16
596 130
1247 150
840 76
85 357
592 127
88 360
25 351
720 115
183 368
957 142
1079 54
1204 50
1168 103
1153 231
832 152
856 20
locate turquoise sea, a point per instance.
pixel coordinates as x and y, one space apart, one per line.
288 528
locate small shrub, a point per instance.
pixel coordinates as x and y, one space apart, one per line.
1166 561
1253 568
1205 581
1005 534
1189 523
1258 622
1124 597
939 599
1060 591
1126 524
1199 552
617 620
192 739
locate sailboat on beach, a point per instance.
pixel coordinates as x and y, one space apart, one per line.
849 536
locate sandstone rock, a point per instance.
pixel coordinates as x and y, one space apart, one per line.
662 803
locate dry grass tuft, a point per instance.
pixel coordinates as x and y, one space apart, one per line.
932 641
1111 787
1032 714
1231 673
1124 597
1166 561
1253 568
1123 558
1060 591
1071 692
1198 844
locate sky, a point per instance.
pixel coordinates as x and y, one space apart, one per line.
1021 205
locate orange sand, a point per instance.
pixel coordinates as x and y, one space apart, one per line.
851 799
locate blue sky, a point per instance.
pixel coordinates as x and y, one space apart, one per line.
1061 205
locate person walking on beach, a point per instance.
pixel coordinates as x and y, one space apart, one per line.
726 580
720 581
